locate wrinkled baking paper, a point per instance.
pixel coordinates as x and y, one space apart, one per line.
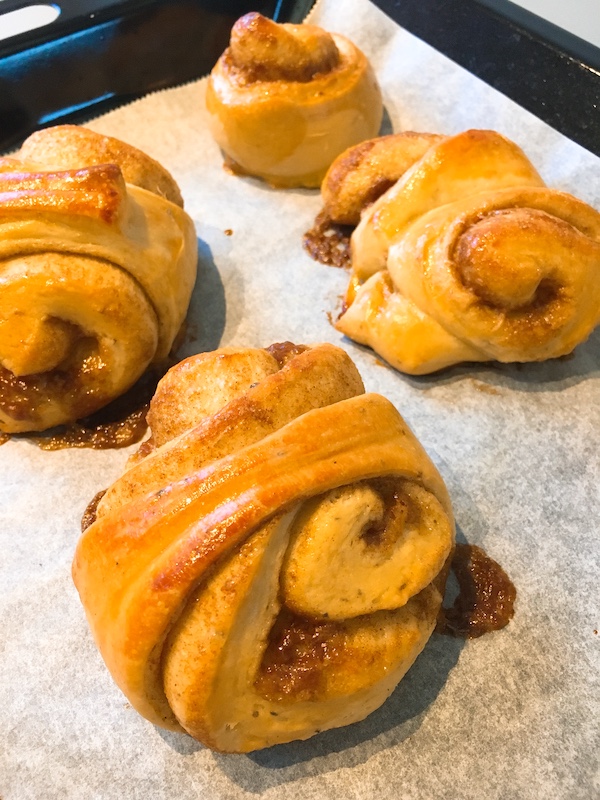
512 715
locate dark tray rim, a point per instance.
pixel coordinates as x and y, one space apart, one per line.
542 67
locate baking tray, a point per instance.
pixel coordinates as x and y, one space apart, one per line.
513 715
100 54
544 68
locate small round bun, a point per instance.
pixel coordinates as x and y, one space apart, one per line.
285 100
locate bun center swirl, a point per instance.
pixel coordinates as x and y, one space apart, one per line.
36 345
504 258
263 50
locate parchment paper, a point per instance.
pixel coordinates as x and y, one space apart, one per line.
511 715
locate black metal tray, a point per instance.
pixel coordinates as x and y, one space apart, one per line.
542 67
102 53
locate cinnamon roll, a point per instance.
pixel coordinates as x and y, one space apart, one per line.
97 265
467 257
274 559
284 100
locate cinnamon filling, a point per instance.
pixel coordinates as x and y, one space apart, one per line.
283 352
398 511
118 424
486 597
263 50
328 242
502 259
296 658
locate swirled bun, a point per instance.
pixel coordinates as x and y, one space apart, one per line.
467 257
97 265
284 100
272 563
361 174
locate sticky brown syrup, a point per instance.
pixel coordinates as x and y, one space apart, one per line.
283 352
328 242
89 515
297 652
120 433
119 424
486 597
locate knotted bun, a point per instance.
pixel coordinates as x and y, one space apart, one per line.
284 100
95 274
274 569
467 257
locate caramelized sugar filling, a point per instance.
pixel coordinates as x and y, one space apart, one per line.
486 597
118 424
328 242
24 397
283 352
97 436
295 661
398 511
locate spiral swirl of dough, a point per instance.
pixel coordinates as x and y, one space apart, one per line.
272 562
361 174
284 100
469 257
95 274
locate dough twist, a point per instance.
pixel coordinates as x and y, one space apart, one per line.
469 257
275 568
96 274
285 100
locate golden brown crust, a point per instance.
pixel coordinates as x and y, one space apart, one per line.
202 574
262 50
469 257
285 100
71 146
361 174
96 274
471 162
97 191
